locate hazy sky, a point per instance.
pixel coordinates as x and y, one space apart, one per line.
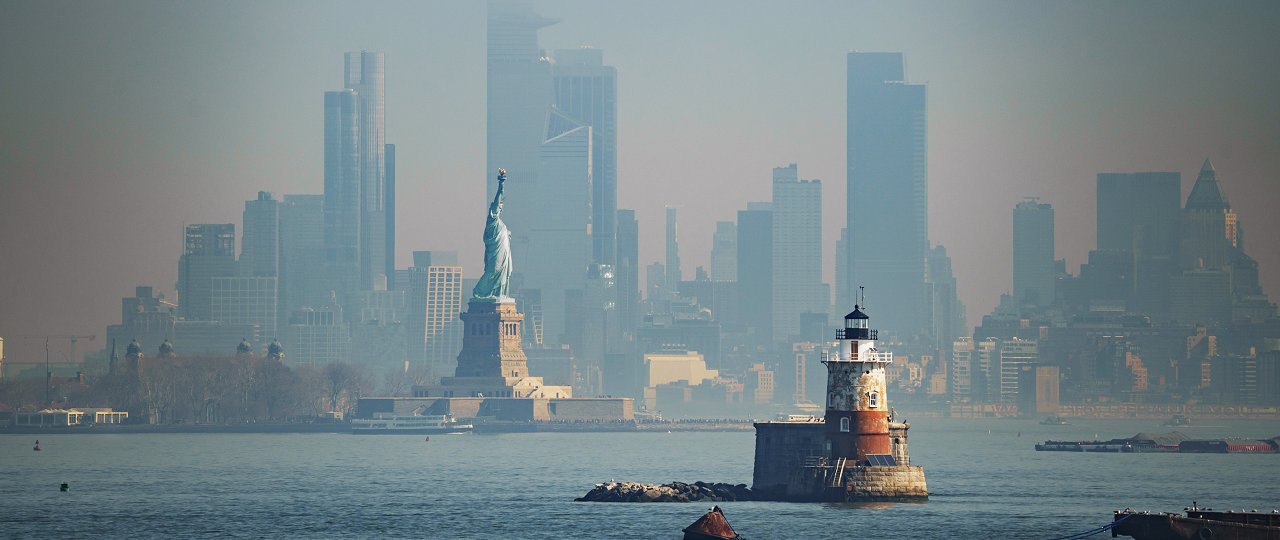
122 121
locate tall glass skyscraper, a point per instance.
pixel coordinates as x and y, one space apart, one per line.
519 94
358 239
797 250
586 90
552 241
365 75
887 207
672 283
1033 266
342 200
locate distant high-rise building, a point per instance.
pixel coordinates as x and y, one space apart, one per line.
209 252
947 311
365 73
302 254
961 370
247 301
1210 228
1138 218
586 90
260 240
627 273
724 252
1033 262
1014 355
655 283
355 177
318 336
844 298
342 197
674 276
1138 212
551 237
755 270
389 204
434 303
888 189
797 250
519 90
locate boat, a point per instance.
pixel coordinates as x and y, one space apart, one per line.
1197 524
1055 421
1178 420
391 424
711 526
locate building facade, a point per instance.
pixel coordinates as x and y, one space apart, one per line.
887 187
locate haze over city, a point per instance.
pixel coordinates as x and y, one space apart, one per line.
126 120
911 269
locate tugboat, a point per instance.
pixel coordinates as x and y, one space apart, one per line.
712 526
1197 524
1055 420
1178 420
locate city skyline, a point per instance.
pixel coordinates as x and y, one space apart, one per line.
188 186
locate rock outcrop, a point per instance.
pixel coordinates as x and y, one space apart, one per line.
673 492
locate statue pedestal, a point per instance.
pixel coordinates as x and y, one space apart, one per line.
492 363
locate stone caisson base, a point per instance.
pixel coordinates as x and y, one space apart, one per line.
882 483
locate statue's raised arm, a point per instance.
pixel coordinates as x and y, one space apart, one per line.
493 285
495 208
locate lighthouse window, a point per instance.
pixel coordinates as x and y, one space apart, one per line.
873 400
844 424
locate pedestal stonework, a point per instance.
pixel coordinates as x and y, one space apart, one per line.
491 341
492 363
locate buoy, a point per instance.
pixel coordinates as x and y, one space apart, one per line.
37 447
428 439
64 487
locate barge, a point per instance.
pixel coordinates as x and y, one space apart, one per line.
1197 524
1175 442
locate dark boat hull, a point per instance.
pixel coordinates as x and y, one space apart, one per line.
1197 527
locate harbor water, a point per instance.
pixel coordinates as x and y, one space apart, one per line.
985 479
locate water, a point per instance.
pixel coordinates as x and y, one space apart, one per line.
986 482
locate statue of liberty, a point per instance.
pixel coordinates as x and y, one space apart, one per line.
497 252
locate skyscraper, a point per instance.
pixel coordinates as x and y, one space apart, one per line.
209 252
1139 220
246 301
434 303
724 252
887 188
755 270
260 240
519 92
797 250
342 197
627 273
1210 228
365 75
1138 212
672 283
302 255
551 235
389 204
1033 263
586 90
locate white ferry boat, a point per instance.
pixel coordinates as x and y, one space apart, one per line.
391 423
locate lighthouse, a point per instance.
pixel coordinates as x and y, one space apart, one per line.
855 453
857 419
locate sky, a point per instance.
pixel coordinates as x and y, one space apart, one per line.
121 121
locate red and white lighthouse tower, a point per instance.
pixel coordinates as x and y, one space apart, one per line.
857 420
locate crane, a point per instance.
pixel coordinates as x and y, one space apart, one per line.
48 374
